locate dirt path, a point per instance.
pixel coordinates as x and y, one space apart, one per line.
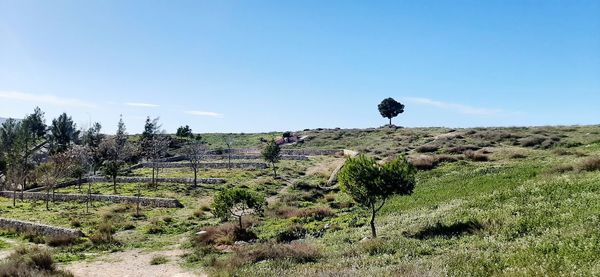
132 263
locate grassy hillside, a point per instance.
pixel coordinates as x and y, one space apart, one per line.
488 201
531 209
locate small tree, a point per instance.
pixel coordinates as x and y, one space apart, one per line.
390 108
115 151
79 162
92 138
50 172
286 136
229 141
195 152
157 150
238 202
371 184
63 133
184 132
271 154
115 156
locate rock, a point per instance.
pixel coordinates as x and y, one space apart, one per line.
365 239
327 226
201 233
240 242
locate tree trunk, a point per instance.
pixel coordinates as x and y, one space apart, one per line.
79 184
195 177
89 196
48 199
274 170
115 184
155 182
240 222
390 121
137 208
23 188
15 196
373 232
153 169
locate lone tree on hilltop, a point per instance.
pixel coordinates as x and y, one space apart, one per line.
272 154
236 203
390 108
371 184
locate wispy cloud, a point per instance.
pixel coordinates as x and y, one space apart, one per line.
45 99
205 113
142 105
464 109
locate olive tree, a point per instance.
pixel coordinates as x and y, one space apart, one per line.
238 202
390 108
371 184
271 154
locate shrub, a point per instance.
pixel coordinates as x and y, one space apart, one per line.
75 223
423 162
329 197
562 152
104 233
293 252
532 141
60 240
590 164
427 148
292 233
376 247
30 262
561 169
225 233
318 213
518 156
158 260
155 227
445 159
462 148
476 156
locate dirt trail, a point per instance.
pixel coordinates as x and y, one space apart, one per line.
132 263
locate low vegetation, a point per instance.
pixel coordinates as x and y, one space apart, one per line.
463 202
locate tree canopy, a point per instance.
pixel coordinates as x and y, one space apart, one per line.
238 202
390 108
271 154
371 184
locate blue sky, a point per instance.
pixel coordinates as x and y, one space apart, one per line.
243 66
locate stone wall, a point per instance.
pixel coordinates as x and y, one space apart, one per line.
311 152
284 151
63 197
158 180
39 229
237 157
210 165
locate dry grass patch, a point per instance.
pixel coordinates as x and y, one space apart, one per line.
476 156
590 164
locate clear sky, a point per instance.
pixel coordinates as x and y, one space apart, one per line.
243 66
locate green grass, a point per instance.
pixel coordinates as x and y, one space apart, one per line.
514 215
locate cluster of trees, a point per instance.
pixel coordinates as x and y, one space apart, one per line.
33 154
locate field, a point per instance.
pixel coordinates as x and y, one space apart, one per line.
488 202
